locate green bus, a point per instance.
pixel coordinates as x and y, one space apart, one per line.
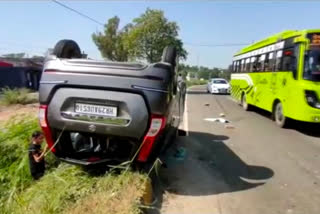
280 74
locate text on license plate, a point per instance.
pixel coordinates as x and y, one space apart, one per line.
96 109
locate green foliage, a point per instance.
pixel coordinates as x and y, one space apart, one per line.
14 168
144 38
150 34
17 96
205 72
69 189
196 82
64 188
111 42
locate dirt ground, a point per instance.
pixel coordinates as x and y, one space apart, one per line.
6 112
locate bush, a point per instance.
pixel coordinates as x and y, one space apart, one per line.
196 82
69 189
17 96
64 188
14 163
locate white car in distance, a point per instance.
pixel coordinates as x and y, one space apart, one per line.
218 86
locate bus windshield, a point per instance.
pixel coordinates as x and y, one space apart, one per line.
312 65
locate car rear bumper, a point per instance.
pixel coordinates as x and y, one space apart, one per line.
92 163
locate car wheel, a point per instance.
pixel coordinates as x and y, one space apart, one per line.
169 55
279 118
244 103
67 49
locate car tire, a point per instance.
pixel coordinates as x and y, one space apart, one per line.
67 49
244 103
278 116
169 55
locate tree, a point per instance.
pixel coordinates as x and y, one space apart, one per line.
111 42
150 34
144 39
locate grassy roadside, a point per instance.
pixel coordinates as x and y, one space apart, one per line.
17 96
196 82
68 189
64 188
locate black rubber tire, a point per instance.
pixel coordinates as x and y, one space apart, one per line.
279 118
67 49
169 55
244 103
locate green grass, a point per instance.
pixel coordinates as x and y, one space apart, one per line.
17 96
14 165
64 188
69 189
196 82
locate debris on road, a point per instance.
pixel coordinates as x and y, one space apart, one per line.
220 120
229 126
206 104
180 153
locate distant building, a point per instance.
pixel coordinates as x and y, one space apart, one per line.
20 72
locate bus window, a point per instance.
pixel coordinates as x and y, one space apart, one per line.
247 65
235 66
278 60
255 64
242 66
271 61
287 60
266 66
296 61
252 60
260 65
238 66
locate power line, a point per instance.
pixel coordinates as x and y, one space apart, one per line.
190 44
77 12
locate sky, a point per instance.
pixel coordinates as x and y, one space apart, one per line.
35 26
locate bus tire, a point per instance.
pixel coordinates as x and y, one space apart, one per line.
277 113
244 103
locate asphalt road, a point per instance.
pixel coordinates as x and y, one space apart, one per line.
246 166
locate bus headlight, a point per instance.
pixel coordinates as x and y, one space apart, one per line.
312 99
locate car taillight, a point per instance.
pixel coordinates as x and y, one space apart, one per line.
157 125
45 126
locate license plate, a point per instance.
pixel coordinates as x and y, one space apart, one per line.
96 109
